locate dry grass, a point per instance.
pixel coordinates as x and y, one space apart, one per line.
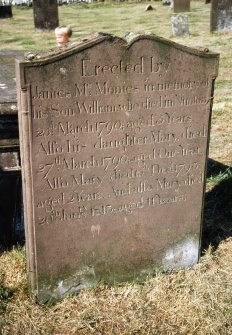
196 301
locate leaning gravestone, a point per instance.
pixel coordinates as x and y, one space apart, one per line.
114 140
181 6
221 16
45 15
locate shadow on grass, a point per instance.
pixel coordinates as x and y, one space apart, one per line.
217 220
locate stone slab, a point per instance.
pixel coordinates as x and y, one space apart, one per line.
180 25
45 15
11 218
221 16
114 140
5 12
8 80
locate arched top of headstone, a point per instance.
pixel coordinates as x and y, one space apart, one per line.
128 41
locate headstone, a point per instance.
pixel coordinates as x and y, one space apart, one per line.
45 15
180 25
166 2
221 16
114 140
181 6
149 8
5 11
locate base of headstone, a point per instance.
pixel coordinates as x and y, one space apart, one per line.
5 12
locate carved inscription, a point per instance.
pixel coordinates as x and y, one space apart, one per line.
111 145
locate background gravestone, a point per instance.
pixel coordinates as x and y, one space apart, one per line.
5 11
166 2
45 15
114 140
181 6
180 25
221 16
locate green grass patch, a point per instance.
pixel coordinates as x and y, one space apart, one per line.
222 83
220 177
11 40
28 43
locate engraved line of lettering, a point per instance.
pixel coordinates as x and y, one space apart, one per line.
121 143
130 189
108 127
107 88
83 89
178 169
175 86
62 215
88 69
40 94
158 199
167 184
125 208
84 180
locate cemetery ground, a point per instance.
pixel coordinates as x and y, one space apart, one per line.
197 300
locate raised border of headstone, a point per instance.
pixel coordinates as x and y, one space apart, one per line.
114 140
221 16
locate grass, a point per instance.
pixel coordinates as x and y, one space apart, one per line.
100 17
195 301
220 177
